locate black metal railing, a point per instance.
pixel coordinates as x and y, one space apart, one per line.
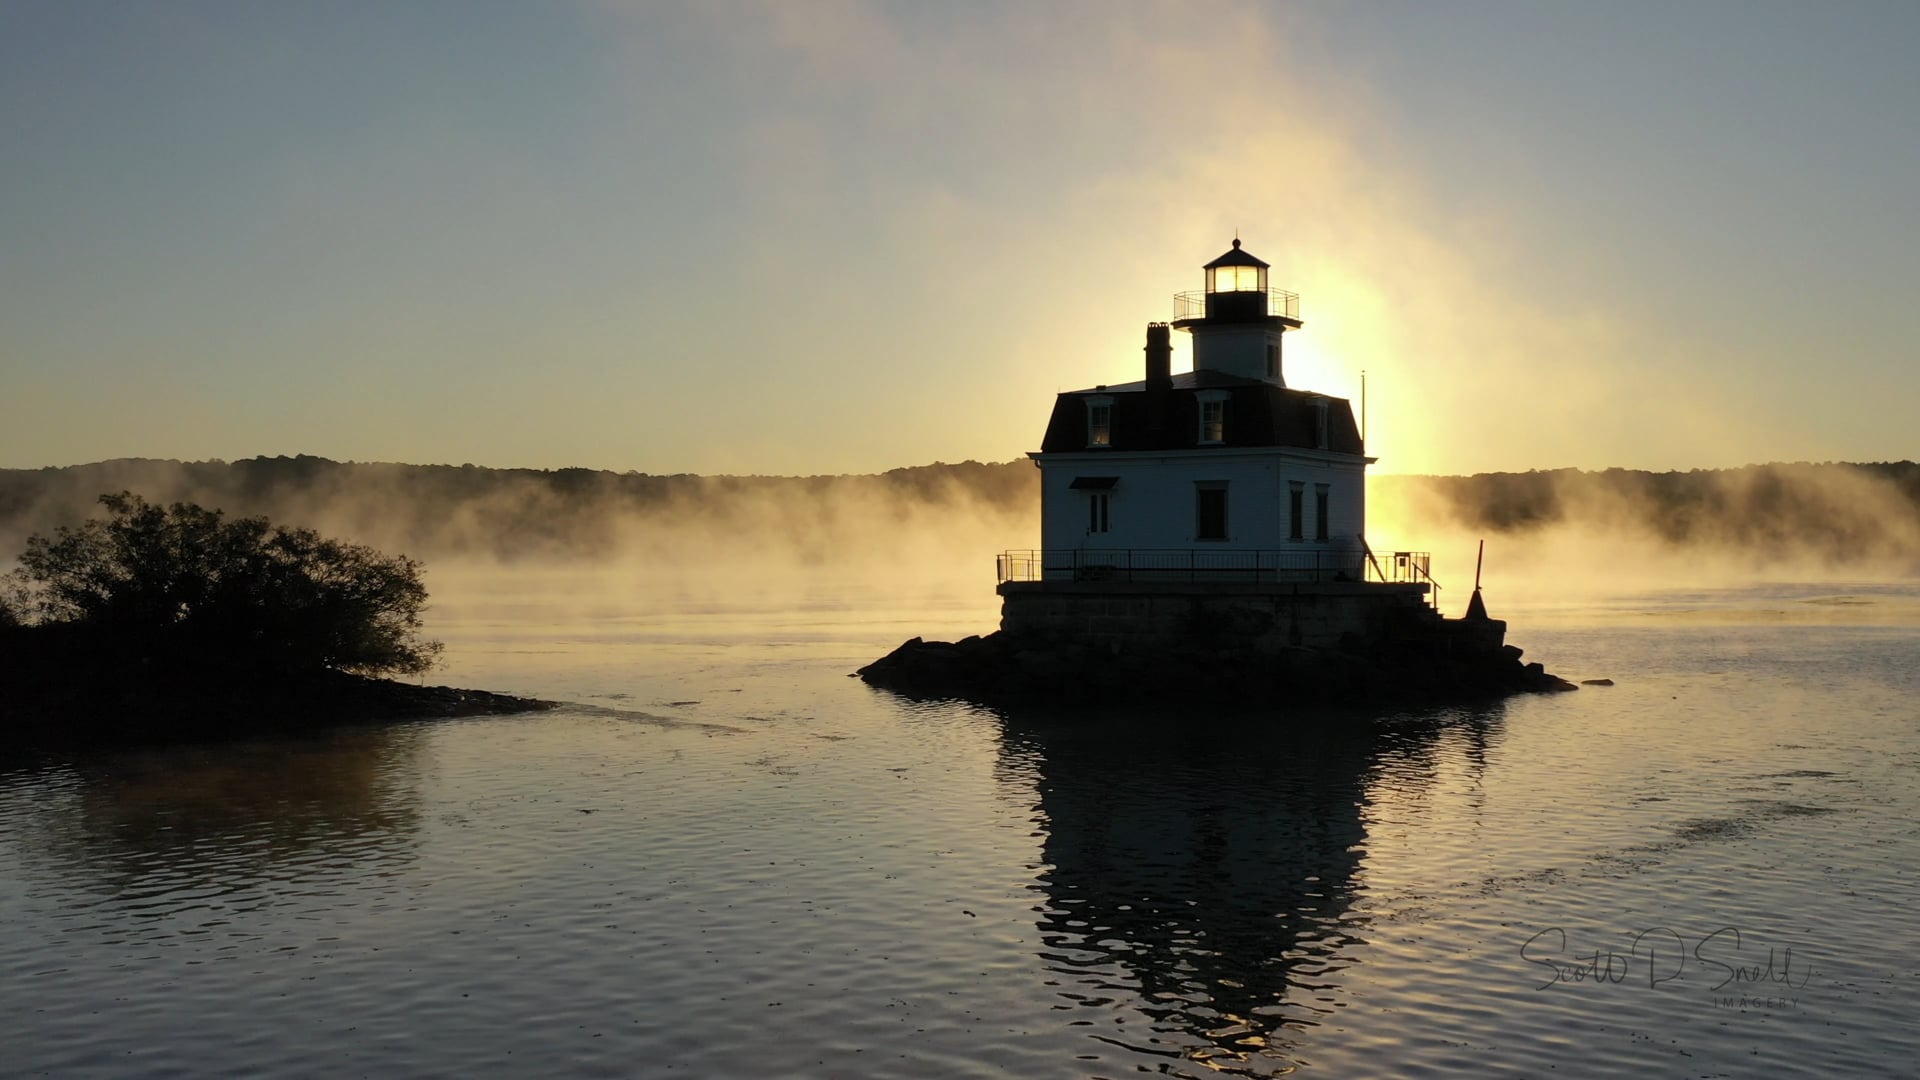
1206 564
1404 566
1193 305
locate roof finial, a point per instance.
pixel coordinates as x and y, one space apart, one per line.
1236 239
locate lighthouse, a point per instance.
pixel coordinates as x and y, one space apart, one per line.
1219 474
1204 540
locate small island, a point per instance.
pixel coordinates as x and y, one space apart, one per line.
1436 662
157 623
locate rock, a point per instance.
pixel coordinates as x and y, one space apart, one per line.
1596 682
1001 668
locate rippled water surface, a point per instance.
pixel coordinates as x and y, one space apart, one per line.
729 859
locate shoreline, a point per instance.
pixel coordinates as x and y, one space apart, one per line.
48 707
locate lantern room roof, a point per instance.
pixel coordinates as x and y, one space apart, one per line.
1236 257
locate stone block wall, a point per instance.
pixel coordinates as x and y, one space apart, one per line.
1127 617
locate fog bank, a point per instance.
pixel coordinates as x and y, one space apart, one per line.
1554 533
1569 533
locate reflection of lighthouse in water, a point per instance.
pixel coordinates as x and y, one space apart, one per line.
1212 882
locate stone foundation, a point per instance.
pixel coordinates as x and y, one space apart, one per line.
1234 643
1266 619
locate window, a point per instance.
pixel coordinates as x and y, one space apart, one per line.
1213 415
1319 511
1210 510
1273 360
1213 421
1296 500
1100 422
1320 423
1099 493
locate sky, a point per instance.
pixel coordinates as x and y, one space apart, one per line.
812 237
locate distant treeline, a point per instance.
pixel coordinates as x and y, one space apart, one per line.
1835 512
432 510
1832 512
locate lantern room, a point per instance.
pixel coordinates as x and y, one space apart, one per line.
1236 271
1236 286
1237 321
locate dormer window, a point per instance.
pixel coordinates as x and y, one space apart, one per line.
1213 417
1100 421
1320 423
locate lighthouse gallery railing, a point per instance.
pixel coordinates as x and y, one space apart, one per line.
1193 305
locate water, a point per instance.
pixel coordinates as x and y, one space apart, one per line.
729 859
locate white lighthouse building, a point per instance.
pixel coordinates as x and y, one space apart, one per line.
1204 539
1222 473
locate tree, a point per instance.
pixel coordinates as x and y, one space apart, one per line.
184 584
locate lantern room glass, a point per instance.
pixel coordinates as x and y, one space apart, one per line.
1237 279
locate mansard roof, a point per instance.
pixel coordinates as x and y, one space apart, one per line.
1258 414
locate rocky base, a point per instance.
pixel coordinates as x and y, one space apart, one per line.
1001 668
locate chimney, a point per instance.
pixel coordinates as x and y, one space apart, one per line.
1159 357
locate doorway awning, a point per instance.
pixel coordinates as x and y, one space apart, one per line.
1094 483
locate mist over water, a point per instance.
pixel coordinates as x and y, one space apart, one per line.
1552 536
735 535
1572 536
